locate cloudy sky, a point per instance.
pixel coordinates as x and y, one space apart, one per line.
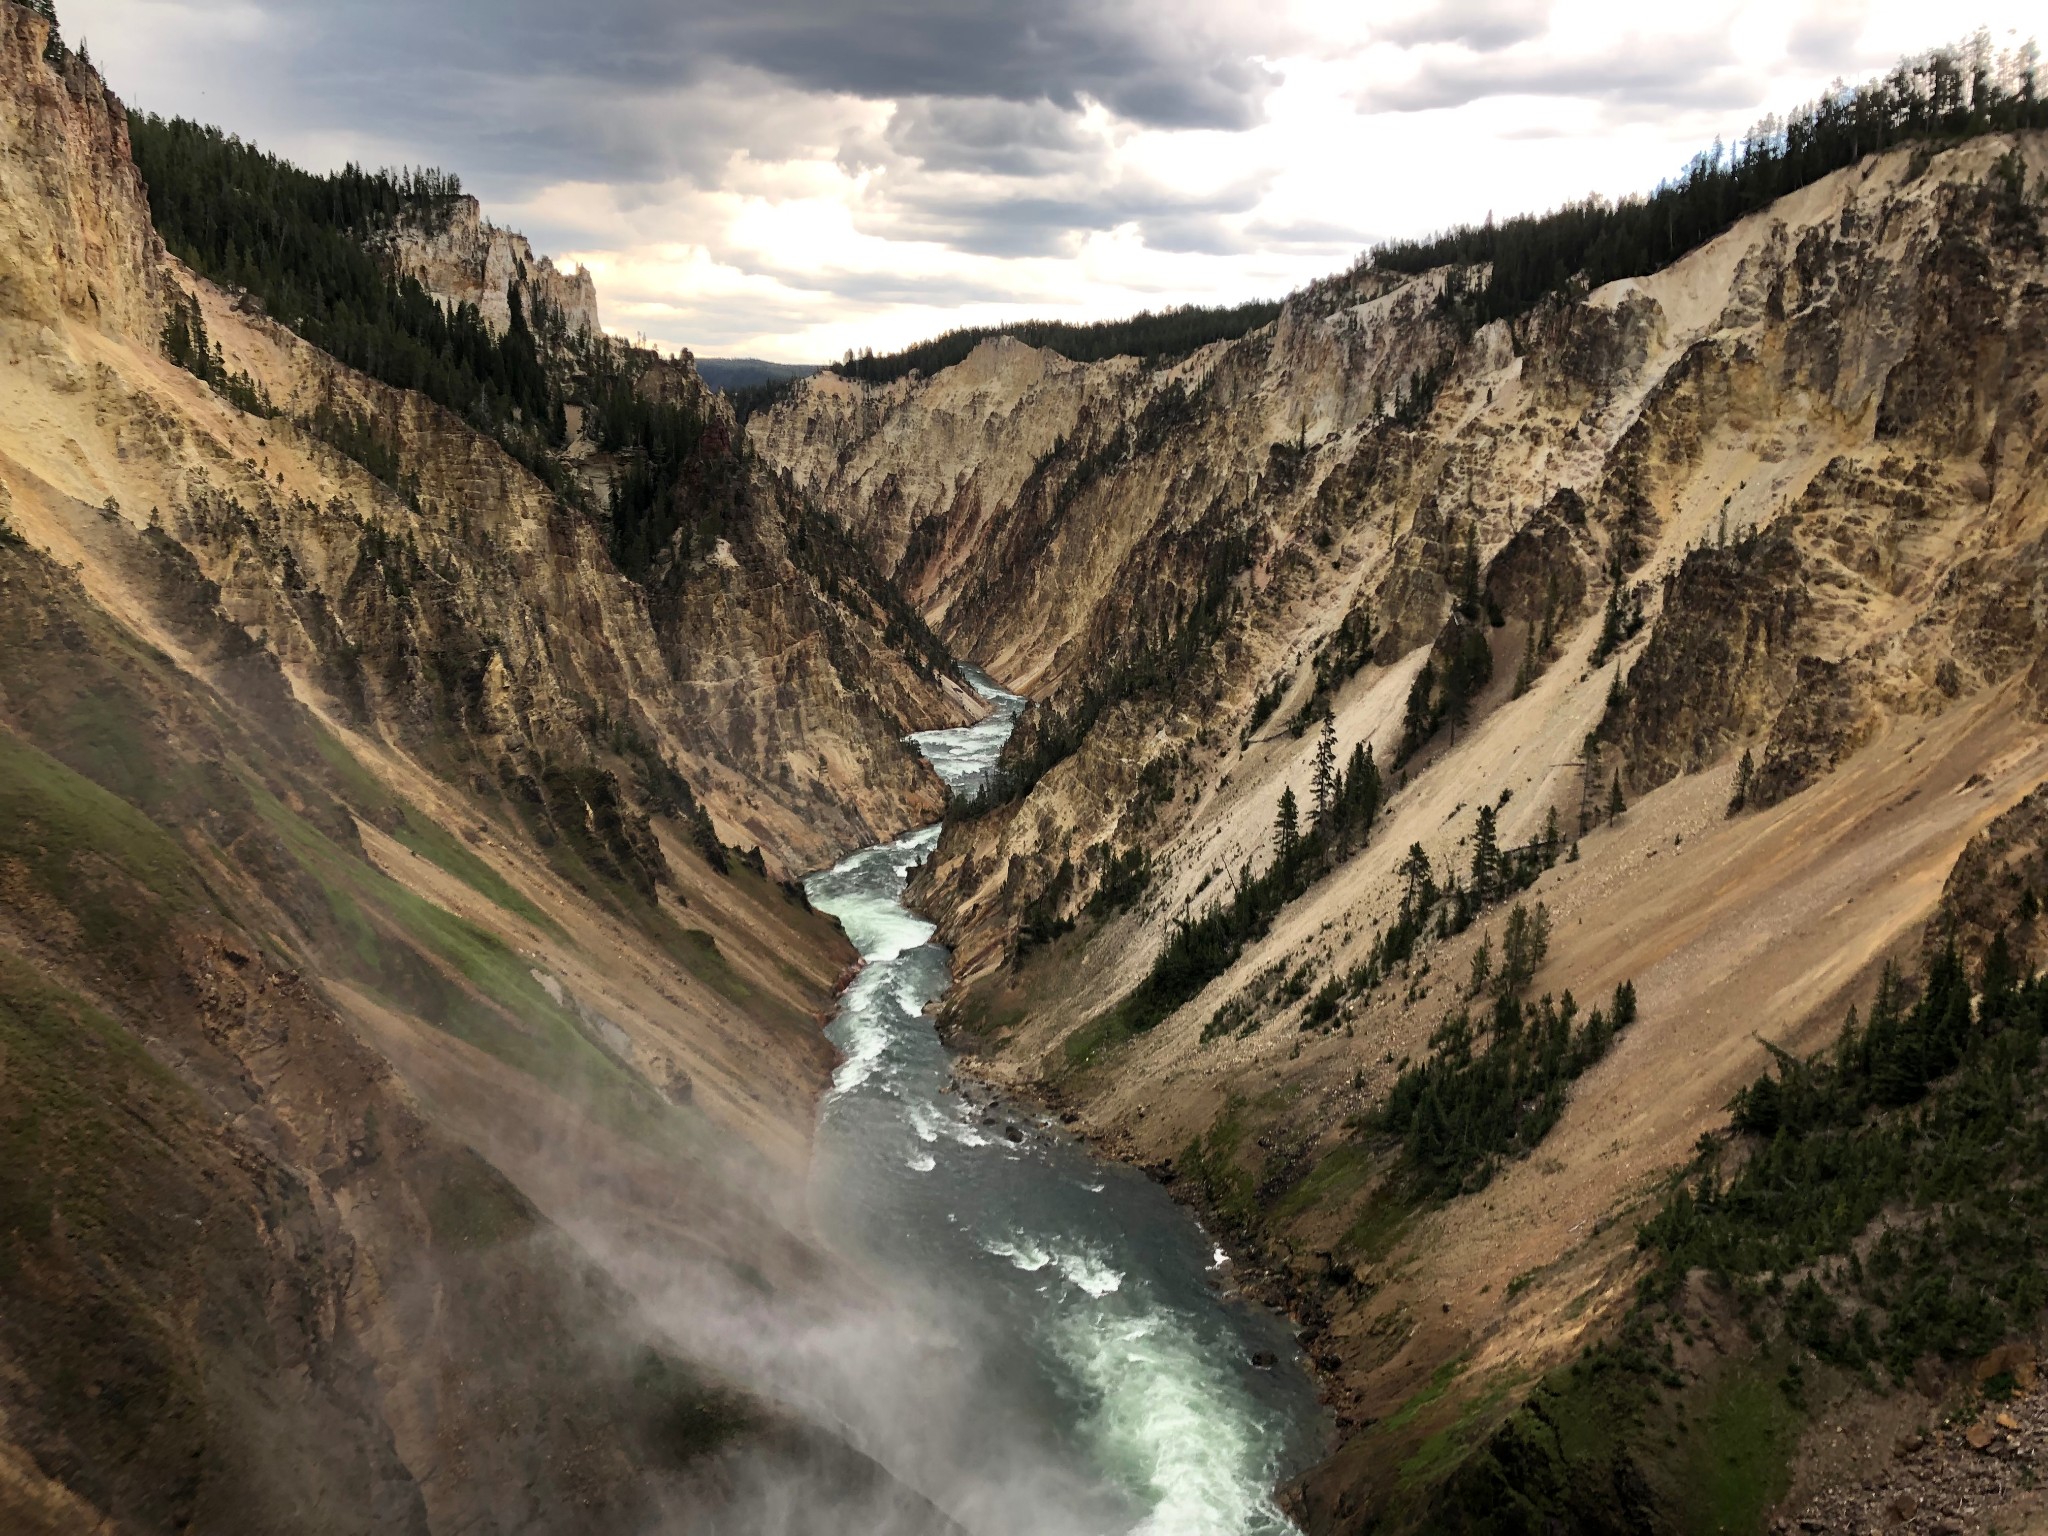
790 178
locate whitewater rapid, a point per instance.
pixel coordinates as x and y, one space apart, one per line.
1091 1293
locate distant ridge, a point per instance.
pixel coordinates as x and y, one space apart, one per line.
730 373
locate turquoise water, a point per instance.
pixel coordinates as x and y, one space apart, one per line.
1110 1385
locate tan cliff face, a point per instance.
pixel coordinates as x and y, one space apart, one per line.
446 593
374 1026
1814 445
75 220
1000 492
461 257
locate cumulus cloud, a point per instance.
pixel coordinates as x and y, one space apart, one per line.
999 138
1478 24
1650 74
792 177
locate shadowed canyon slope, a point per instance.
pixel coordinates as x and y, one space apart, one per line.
401 998
1776 511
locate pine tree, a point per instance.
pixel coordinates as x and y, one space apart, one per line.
1420 892
1482 966
1485 855
1616 804
1323 782
1468 576
53 46
1624 1012
1416 721
1287 827
1525 675
2001 977
1523 946
1613 623
1744 772
1362 790
1551 837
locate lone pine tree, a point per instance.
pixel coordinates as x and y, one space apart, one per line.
1323 783
1744 772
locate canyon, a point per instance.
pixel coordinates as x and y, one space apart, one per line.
1801 464
412 1005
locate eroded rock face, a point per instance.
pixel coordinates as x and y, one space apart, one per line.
1783 499
93 258
1795 383
473 608
490 615
2000 886
461 257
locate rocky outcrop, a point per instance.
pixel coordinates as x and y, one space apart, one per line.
75 223
435 615
2000 886
461 257
462 601
1722 661
1355 448
1015 495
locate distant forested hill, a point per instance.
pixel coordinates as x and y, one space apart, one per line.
1156 336
731 373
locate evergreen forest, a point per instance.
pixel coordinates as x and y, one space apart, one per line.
305 246
1153 336
1946 95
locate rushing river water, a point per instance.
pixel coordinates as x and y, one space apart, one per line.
1094 1303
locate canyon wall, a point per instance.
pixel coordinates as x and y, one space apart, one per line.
1779 505
410 1034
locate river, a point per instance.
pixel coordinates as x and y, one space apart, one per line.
1089 1309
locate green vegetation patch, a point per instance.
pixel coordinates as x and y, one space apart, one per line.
1213 1165
1891 1206
105 1232
458 977
685 1414
1739 1459
1464 1110
1337 1178
1430 1392
471 1206
1894 1200
50 816
1620 1440
1155 337
1450 1444
421 834
64 1134
1096 1039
